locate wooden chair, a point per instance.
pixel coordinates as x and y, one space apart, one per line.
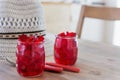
104 13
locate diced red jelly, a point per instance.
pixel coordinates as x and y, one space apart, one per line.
65 49
30 57
31 63
23 38
71 34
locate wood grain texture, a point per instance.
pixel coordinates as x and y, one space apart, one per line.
97 61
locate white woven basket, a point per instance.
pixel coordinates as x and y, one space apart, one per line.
18 17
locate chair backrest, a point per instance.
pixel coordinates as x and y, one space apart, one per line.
104 13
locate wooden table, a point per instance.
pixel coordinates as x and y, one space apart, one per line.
97 62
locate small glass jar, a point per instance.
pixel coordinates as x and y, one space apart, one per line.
30 58
65 50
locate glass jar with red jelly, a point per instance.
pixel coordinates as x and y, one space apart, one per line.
65 48
30 56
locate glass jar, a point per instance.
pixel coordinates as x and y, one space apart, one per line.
65 50
30 58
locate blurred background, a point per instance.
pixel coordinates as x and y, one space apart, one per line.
63 15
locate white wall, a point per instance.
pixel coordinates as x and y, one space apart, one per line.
111 3
116 35
57 17
93 29
109 25
75 11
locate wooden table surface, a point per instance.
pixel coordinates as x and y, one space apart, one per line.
97 61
